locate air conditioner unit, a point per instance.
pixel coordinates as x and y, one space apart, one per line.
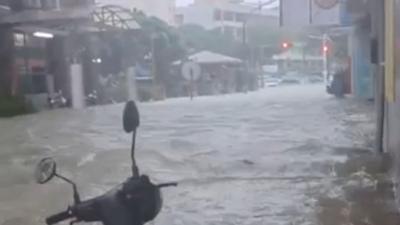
32 4
51 4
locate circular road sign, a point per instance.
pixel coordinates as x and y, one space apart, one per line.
191 71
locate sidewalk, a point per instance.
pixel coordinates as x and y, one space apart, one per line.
362 194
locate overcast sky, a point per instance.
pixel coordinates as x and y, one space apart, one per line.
183 2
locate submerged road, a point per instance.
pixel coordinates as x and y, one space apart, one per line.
256 158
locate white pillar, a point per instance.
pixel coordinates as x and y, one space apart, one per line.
131 83
77 93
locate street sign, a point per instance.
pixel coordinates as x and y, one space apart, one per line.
191 71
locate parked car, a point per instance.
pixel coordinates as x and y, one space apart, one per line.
290 80
315 79
272 82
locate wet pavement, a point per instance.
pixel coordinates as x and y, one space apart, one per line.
276 156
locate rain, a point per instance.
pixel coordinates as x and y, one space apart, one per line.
262 112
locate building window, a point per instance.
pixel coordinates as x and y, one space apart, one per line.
75 3
241 17
19 40
217 15
229 16
34 83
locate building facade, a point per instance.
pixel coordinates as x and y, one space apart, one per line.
164 10
226 16
28 63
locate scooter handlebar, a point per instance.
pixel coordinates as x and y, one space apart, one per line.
56 218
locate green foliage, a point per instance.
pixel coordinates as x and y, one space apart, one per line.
13 106
165 36
162 40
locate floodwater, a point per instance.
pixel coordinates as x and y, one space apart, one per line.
266 157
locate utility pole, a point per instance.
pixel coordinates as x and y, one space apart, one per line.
247 53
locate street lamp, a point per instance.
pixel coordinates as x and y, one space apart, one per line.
45 35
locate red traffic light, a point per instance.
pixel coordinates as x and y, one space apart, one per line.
285 45
325 48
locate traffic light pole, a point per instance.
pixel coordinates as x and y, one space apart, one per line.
325 40
246 50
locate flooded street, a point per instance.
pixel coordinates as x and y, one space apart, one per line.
257 158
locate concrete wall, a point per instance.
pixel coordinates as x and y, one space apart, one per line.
392 133
392 112
200 15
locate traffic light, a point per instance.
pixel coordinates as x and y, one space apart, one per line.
325 48
285 45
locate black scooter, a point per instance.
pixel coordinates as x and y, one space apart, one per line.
134 202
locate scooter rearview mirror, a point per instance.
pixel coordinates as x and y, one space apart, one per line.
131 117
45 170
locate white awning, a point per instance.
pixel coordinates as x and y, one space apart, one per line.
207 57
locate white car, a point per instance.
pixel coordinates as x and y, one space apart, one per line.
272 82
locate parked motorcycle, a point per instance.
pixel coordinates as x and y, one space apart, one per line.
57 100
92 98
134 202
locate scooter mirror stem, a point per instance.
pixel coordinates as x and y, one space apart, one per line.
135 168
77 198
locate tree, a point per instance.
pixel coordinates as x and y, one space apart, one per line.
162 42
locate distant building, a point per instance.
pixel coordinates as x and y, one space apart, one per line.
226 16
32 39
299 60
162 9
48 44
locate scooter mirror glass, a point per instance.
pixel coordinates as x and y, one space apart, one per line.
130 117
45 170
